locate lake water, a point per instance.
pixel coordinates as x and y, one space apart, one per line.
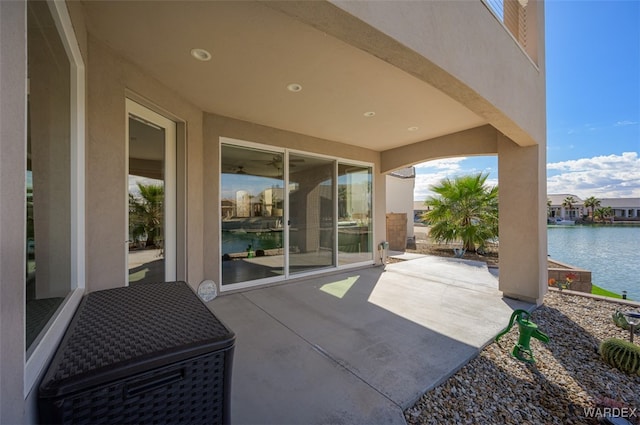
612 253
234 242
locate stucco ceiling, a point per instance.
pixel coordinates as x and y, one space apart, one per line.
257 51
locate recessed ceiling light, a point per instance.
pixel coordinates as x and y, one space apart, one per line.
412 128
369 114
294 87
201 54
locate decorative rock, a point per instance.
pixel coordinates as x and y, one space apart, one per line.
567 378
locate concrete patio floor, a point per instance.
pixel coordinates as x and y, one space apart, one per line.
358 346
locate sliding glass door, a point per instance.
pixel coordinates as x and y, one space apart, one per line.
287 213
355 227
252 209
312 216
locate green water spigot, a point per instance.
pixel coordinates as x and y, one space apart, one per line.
522 350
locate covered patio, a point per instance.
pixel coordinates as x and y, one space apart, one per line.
358 346
283 114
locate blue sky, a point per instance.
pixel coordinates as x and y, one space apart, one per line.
593 104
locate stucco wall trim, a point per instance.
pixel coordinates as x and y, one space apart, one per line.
476 141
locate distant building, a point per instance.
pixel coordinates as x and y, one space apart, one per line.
623 208
557 209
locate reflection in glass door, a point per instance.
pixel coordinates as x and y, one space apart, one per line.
355 231
151 197
252 209
311 213
285 213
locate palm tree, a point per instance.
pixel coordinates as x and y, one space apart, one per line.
465 210
593 203
146 213
568 204
602 214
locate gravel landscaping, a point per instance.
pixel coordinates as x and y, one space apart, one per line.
567 380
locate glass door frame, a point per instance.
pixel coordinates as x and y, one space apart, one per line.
287 275
170 186
285 218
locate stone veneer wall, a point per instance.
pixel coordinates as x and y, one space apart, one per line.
582 282
397 231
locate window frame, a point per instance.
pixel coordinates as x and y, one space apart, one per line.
287 276
40 355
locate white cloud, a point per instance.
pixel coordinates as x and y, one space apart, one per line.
606 176
431 173
610 176
422 189
450 164
625 122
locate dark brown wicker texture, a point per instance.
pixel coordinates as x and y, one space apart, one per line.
145 354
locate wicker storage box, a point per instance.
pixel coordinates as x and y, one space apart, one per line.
144 354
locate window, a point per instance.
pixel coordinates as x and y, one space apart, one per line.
286 213
252 208
311 213
355 227
54 269
48 270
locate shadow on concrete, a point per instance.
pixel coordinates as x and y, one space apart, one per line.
358 346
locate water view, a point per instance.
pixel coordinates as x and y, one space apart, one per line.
242 241
612 253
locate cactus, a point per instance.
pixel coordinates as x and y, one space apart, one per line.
621 354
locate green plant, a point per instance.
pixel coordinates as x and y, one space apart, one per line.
146 213
593 203
603 214
621 354
464 210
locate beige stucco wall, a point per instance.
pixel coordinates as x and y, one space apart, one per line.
523 226
13 61
74 8
110 79
480 52
216 126
476 141
478 63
